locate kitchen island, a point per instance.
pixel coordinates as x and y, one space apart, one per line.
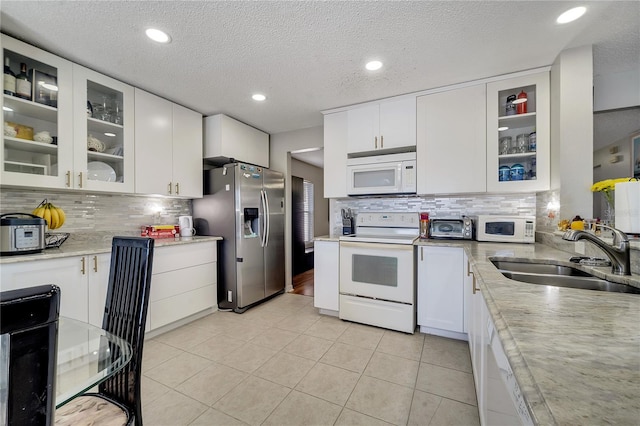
575 353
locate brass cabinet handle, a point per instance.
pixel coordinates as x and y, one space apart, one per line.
375 142
82 268
469 268
381 141
80 184
95 263
68 178
169 187
475 289
178 188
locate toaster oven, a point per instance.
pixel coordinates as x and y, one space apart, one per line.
459 229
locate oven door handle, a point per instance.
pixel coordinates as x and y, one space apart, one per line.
377 246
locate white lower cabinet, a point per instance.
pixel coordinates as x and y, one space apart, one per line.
184 283
326 273
82 281
500 401
440 291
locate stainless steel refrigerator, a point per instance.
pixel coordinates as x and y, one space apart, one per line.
244 204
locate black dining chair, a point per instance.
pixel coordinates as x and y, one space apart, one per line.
125 315
28 351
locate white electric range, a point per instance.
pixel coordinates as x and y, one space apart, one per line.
377 274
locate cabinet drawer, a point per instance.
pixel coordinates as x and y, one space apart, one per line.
172 283
178 257
172 309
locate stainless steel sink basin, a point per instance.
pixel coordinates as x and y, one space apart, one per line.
558 276
539 268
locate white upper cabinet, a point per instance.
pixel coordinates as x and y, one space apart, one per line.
335 155
103 132
163 130
382 126
226 138
37 142
451 141
518 135
187 152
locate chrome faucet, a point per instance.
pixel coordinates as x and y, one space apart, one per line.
619 252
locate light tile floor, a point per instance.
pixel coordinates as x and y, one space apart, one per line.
282 363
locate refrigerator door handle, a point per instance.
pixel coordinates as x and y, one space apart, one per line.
267 216
263 241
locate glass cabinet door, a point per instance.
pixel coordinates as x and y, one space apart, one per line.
103 129
518 134
36 110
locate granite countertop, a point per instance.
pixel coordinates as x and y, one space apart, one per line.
94 243
327 238
575 353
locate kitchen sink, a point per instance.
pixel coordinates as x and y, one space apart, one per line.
558 276
539 268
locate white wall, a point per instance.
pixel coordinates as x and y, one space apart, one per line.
281 144
572 130
320 204
603 168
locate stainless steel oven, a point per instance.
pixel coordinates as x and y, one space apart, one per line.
377 273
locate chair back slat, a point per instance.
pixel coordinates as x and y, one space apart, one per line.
125 315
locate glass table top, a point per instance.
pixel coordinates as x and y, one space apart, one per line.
87 355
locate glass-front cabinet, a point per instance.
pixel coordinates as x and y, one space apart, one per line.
65 126
103 132
37 141
518 142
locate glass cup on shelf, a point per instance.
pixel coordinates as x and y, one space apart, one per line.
522 143
116 117
105 110
505 145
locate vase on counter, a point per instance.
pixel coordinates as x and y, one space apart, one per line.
609 215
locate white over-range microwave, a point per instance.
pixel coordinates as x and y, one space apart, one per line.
382 174
506 229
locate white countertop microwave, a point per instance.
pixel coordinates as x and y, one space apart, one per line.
506 229
382 174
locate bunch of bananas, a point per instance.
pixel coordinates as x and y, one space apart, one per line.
54 216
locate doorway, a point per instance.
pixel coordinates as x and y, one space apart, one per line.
309 215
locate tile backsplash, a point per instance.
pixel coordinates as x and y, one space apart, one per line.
89 212
438 207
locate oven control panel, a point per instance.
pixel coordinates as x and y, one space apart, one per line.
390 220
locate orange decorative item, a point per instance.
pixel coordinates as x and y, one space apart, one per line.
521 107
424 225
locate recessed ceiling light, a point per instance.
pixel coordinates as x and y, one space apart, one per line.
157 35
503 128
571 15
258 97
6 108
113 135
373 65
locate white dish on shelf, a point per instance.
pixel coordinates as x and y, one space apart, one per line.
97 170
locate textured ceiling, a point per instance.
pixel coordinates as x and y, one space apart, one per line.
309 56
